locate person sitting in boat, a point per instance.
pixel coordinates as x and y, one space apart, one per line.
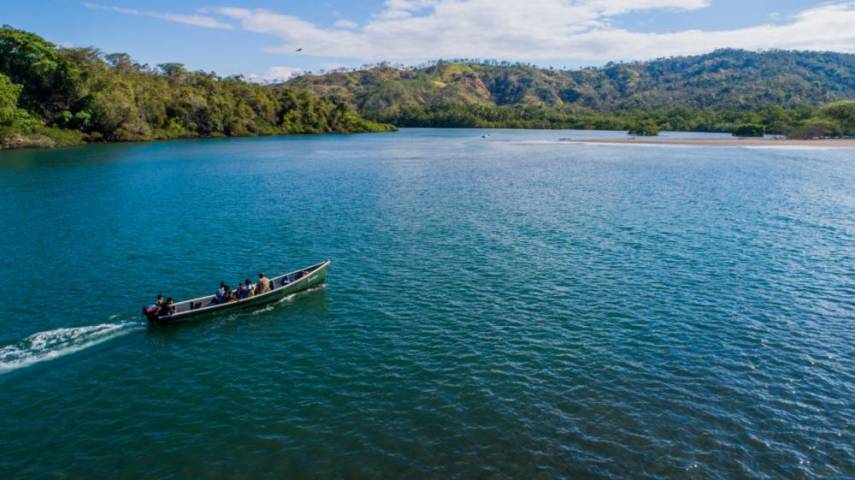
151 311
224 293
263 284
167 308
221 293
242 292
250 288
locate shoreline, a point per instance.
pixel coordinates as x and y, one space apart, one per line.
714 142
30 146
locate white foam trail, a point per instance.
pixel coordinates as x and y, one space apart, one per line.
43 346
286 299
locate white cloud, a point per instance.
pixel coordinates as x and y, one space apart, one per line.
275 74
412 30
191 19
534 30
346 24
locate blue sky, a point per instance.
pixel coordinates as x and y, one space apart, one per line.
259 38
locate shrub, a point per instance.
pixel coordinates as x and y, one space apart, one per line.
815 128
644 128
749 130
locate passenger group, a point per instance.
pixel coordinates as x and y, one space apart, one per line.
244 290
224 294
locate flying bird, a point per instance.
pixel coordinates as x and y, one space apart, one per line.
299 50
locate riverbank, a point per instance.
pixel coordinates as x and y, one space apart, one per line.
724 142
49 138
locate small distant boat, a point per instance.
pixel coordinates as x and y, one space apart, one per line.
280 286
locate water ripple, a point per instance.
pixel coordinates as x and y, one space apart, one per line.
500 309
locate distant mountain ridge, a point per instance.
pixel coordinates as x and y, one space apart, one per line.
722 80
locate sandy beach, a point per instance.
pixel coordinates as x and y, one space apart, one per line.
724 142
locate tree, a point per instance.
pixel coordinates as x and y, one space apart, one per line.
644 128
122 61
115 115
30 61
749 130
842 113
815 128
9 93
172 69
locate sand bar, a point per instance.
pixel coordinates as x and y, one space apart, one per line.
722 142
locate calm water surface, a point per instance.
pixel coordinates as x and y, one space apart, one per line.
502 307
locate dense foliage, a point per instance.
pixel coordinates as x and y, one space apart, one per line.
9 93
749 130
779 90
59 96
644 128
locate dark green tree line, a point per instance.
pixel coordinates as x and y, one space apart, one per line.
58 96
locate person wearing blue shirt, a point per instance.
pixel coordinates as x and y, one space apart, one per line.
222 293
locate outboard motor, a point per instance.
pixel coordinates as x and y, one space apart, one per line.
150 313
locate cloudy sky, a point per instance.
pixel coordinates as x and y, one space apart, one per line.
261 38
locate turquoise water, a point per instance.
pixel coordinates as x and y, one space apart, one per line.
504 307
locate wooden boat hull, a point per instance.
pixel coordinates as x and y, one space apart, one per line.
281 287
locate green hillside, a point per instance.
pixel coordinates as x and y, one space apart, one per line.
52 96
717 91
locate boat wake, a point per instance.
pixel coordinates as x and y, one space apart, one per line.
287 299
51 344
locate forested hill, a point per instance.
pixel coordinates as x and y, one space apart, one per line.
52 96
725 86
